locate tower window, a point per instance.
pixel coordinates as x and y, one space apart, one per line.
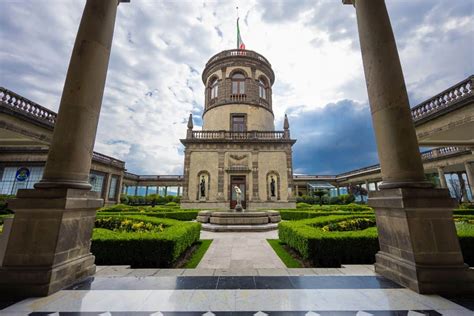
262 89
238 83
238 123
214 89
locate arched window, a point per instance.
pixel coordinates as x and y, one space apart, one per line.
238 83
262 88
214 89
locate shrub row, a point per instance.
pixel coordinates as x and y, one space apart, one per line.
177 215
333 248
290 215
352 207
151 199
155 248
341 199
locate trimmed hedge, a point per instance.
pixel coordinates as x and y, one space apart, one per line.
152 249
330 249
333 248
177 215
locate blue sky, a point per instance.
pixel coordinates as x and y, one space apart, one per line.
161 47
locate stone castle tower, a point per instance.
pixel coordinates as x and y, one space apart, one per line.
238 144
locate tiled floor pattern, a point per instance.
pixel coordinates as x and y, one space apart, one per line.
246 295
248 250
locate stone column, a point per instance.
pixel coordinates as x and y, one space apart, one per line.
419 247
367 185
166 190
376 186
442 178
106 187
48 244
78 116
179 191
470 176
462 185
119 189
297 191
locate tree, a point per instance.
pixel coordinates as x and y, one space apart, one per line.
320 194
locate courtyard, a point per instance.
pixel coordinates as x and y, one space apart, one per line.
335 184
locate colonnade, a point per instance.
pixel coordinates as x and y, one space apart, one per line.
150 188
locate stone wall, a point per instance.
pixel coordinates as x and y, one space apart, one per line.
257 162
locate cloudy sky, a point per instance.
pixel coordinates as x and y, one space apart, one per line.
160 48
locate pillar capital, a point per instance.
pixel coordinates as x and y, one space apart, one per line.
349 2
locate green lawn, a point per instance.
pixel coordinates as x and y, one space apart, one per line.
203 245
286 257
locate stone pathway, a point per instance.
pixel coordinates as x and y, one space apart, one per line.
240 251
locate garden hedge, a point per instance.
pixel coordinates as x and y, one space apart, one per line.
160 211
333 248
177 215
156 249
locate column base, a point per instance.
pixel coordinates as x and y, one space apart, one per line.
434 279
29 282
48 245
419 247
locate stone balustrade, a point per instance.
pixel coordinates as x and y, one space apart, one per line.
442 151
131 176
425 156
237 53
107 160
448 97
26 107
230 135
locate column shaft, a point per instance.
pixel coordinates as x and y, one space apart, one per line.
462 185
70 153
442 178
397 145
470 176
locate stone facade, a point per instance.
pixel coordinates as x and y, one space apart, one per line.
252 155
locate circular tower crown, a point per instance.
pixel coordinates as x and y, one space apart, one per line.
238 94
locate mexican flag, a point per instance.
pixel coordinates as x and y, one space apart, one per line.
240 43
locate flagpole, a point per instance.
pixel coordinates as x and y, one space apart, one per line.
237 38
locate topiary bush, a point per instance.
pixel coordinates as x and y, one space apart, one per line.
329 249
303 205
327 242
141 241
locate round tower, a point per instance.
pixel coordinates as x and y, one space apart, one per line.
238 93
238 146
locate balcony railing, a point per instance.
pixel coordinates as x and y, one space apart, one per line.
131 176
442 151
22 105
107 160
238 97
237 53
425 156
229 135
444 99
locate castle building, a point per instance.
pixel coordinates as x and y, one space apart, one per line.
238 144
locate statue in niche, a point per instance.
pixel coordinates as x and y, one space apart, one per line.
272 186
238 194
202 186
